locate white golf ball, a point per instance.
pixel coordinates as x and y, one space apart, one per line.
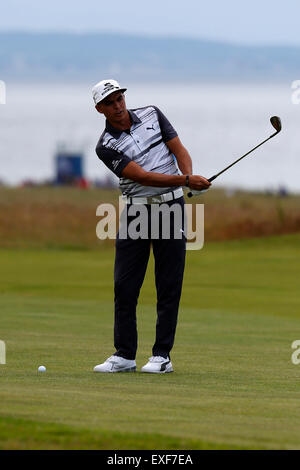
42 369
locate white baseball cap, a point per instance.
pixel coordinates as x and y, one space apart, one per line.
104 88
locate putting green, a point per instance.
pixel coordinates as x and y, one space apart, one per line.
234 385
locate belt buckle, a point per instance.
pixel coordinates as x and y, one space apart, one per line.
165 197
156 199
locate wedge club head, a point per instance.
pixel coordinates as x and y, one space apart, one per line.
276 123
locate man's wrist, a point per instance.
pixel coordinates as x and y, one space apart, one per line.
187 181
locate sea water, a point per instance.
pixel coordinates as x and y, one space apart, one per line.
217 123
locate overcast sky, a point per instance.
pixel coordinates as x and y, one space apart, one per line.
253 22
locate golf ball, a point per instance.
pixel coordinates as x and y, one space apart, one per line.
42 369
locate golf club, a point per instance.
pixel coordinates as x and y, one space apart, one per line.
276 123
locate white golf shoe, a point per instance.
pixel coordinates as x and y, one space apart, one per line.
158 365
116 364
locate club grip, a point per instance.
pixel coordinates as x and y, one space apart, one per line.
190 194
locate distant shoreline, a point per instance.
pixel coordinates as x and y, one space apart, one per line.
75 56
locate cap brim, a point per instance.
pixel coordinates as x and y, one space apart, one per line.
111 92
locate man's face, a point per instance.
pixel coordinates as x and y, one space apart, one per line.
113 107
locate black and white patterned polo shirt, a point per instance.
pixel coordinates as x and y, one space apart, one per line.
145 144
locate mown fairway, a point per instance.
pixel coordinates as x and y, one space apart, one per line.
234 384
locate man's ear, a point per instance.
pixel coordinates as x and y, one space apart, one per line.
98 109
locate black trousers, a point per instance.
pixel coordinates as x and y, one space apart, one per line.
131 261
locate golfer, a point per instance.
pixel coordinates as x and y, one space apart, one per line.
142 148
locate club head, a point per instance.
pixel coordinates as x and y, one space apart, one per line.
276 123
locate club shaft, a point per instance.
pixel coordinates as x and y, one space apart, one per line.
239 159
190 194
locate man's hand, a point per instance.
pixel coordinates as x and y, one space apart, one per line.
198 182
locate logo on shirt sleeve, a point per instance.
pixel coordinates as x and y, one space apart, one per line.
115 163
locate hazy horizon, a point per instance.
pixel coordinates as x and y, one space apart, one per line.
148 36
70 56
271 22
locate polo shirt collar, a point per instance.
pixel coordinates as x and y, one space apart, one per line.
116 132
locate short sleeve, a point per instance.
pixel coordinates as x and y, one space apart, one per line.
114 160
167 130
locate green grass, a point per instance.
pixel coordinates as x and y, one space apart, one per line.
234 384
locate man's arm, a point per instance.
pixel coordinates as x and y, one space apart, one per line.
182 156
135 172
172 141
121 165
